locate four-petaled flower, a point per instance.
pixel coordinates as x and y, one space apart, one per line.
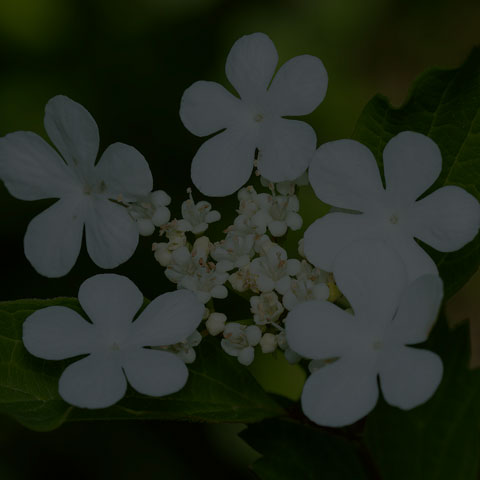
115 344
344 173
89 195
389 314
285 147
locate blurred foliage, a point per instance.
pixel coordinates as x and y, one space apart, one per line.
128 63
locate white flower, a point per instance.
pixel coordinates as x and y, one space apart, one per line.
265 308
33 170
272 270
198 215
191 270
113 342
243 279
389 314
277 213
216 323
344 174
254 121
310 284
233 252
239 341
150 212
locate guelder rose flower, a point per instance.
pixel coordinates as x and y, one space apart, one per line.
344 173
254 121
389 314
33 170
115 345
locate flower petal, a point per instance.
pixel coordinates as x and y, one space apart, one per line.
112 235
415 258
447 219
250 65
55 333
110 301
319 330
299 86
408 376
224 163
207 107
341 393
329 235
54 237
155 373
373 278
168 319
96 381
125 172
286 148
32 169
411 162
73 131
417 311
344 173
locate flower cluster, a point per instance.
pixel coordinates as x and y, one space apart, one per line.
348 305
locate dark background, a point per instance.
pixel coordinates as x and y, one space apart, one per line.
128 63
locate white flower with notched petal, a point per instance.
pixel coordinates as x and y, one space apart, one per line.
115 345
389 314
344 174
33 170
254 121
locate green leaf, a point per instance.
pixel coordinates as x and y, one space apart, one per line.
440 439
292 450
219 389
444 105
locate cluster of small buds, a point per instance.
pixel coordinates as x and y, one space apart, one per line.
150 212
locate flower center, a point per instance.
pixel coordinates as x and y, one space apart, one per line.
115 347
393 219
258 117
377 345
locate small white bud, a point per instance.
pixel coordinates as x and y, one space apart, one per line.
246 356
145 227
161 216
160 199
268 343
216 323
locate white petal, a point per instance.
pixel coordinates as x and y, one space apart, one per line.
344 173
415 258
250 65
412 162
417 311
408 376
55 333
299 86
224 163
330 234
54 237
447 219
112 235
32 169
110 301
124 171
373 278
168 319
318 330
341 393
73 131
155 373
286 148
96 381
207 107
